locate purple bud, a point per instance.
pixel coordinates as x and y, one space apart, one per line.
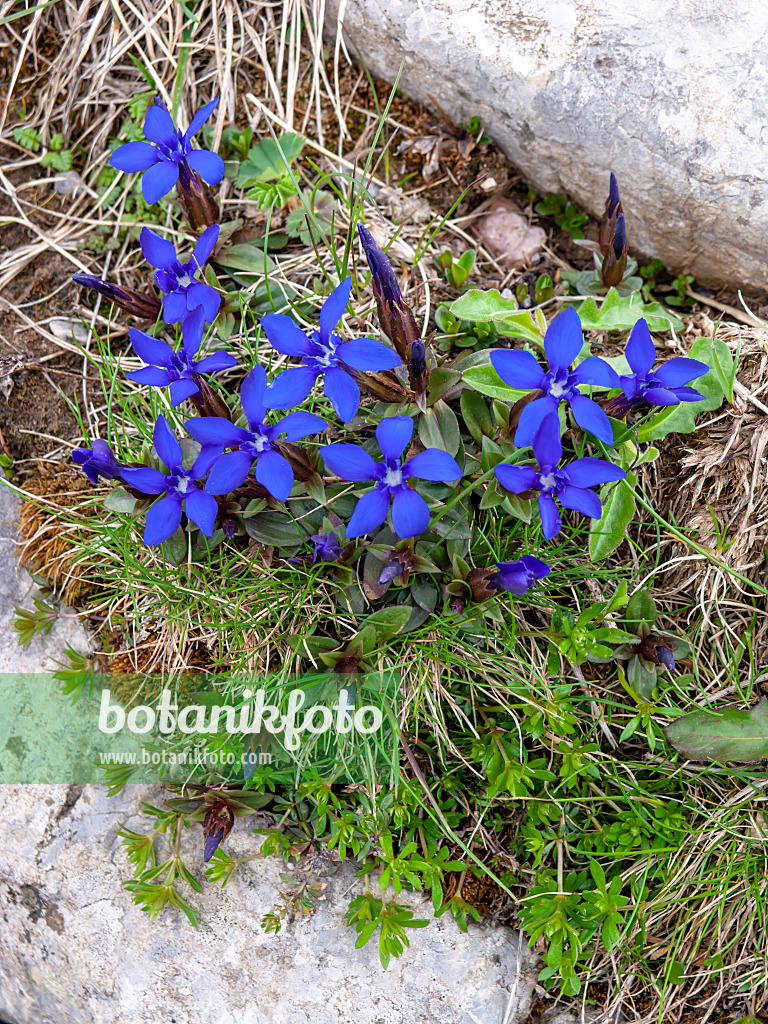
158 101
327 549
666 657
418 360
613 195
381 268
390 572
212 844
620 236
97 460
140 304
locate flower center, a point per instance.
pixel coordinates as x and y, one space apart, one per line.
548 482
558 388
184 281
393 477
182 485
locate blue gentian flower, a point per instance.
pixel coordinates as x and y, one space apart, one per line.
327 549
519 576
562 343
569 484
178 486
97 460
171 156
664 387
176 370
323 354
177 279
410 513
273 470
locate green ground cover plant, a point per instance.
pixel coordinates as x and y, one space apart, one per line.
300 472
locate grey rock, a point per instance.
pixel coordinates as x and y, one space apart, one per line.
18 588
74 949
669 95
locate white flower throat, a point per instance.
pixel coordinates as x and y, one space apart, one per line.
559 388
393 477
548 481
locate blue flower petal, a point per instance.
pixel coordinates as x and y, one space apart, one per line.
342 392
209 166
192 330
594 370
333 307
153 376
151 350
202 509
590 472
157 251
159 127
550 517
285 335
348 461
163 520
520 370
181 389
676 372
546 445
563 340
580 500
217 361
166 444
297 425
274 472
158 180
531 417
290 387
433 464
410 513
393 435
517 478
175 307
252 392
592 418
215 430
629 384
146 479
206 243
199 294
134 156
659 396
513 577
208 455
228 472
536 566
370 512
689 395
367 354
640 351
199 119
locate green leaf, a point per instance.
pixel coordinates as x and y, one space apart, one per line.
681 419
247 257
387 622
727 735
488 382
641 608
119 500
439 428
274 528
606 534
59 161
265 162
723 365
489 306
29 138
477 418
620 313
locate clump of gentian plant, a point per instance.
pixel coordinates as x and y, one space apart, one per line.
394 474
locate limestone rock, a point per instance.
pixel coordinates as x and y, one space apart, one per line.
74 949
668 95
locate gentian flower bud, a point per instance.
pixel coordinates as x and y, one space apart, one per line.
97 460
612 211
217 825
417 364
395 315
196 199
615 260
390 572
140 304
